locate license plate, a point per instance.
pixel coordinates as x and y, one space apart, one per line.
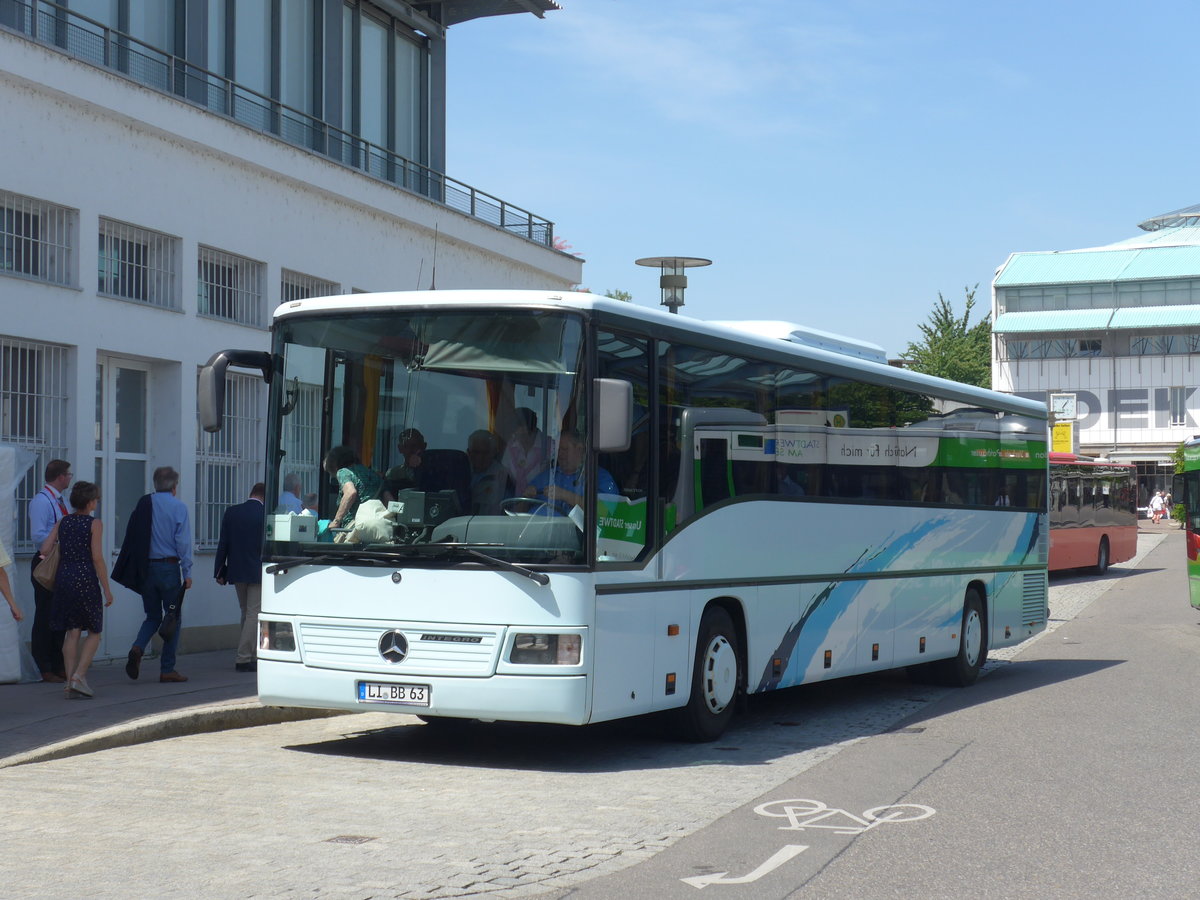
385 692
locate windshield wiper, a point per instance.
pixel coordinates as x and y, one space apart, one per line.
540 577
439 549
374 558
389 557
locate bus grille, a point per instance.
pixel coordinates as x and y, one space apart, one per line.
1033 599
432 649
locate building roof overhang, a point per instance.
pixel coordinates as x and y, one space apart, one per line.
1140 318
452 12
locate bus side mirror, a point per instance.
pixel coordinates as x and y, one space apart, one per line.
210 392
614 415
1178 489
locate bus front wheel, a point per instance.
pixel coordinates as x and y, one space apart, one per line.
963 669
716 677
1102 557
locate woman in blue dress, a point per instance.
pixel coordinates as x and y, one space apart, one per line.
78 583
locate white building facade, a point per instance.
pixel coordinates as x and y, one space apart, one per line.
171 171
1118 329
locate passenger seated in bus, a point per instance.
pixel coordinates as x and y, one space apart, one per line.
562 485
527 452
490 483
289 497
356 484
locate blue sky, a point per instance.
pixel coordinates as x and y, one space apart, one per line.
840 162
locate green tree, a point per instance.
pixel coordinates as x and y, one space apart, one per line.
952 347
614 294
1178 512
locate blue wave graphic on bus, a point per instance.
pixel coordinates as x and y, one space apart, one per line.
812 631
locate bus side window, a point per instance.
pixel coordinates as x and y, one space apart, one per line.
714 472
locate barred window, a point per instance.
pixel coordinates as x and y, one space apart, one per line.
230 461
33 414
138 264
1164 344
36 239
298 286
230 287
1016 349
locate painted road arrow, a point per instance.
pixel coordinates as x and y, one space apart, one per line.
782 856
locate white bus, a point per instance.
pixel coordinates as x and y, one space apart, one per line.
769 507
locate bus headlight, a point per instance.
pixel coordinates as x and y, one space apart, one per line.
546 649
276 636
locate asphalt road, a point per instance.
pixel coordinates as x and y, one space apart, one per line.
1064 773
1069 773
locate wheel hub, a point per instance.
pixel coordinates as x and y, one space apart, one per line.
720 674
973 638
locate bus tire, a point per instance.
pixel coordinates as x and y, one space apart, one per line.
1102 557
716 678
963 669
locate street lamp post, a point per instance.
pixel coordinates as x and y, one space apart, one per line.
672 280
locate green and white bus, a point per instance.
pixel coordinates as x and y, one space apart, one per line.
771 506
1185 489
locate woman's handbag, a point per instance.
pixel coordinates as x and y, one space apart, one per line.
45 571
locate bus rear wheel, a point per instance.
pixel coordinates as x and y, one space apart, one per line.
716 678
1102 557
963 669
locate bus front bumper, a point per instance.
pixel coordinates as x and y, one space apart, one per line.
561 699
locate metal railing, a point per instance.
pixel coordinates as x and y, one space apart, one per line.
93 42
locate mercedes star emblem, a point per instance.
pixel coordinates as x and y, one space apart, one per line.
393 646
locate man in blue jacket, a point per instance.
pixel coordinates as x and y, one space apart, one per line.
239 561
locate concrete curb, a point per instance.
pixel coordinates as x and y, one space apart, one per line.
177 723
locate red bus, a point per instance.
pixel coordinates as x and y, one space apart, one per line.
1093 512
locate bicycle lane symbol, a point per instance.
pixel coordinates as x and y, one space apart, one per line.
806 814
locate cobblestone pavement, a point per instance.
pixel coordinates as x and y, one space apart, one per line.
379 806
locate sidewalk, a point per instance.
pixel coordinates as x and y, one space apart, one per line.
1166 526
37 723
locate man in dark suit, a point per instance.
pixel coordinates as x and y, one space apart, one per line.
239 562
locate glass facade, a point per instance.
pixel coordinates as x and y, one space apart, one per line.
1106 295
279 50
359 82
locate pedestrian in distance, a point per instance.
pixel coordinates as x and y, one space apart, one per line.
156 562
1156 507
46 507
239 562
79 582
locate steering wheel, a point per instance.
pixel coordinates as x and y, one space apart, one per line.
514 501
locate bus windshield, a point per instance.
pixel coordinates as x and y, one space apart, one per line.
425 435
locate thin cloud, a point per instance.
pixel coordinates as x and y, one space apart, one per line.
738 73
